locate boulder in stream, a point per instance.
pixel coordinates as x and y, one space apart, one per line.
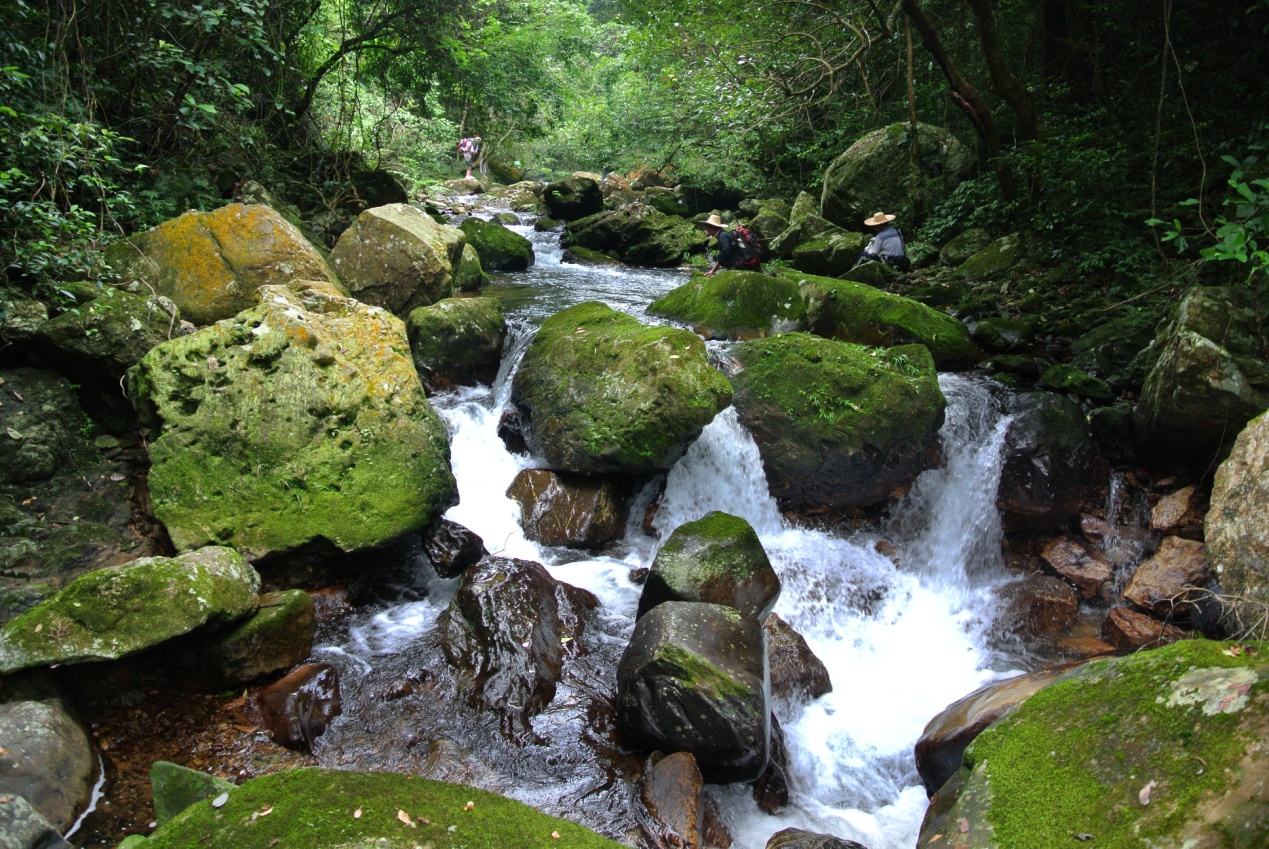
837 424
457 342
451 548
300 706
672 790
1050 463
797 674
734 305
1168 582
573 197
605 393
500 249
637 234
1128 630
797 838
559 508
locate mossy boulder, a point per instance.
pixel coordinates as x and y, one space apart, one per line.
665 201
1237 525
469 276
1002 334
175 787
500 249
571 198
734 305
804 223
586 256
770 218
110 333
297 421
605 393
855 312
1064 377
837 424
398 258
314 808
457 341
110 613
999 256
1159 748
20 317
40 417
1210 376
716 559
212 264
274 638
638 235
964 245
832 253
878 172
1110 349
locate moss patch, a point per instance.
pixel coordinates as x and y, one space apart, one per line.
500 249
734 305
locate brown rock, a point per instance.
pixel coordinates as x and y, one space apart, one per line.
771 790
1040 606
673 793
330 604
1083 639
1087 570
796 838
1180 514
1162 584
1128 630
1095 529
452 548
796 673
943 742
716 834
299 707
558 508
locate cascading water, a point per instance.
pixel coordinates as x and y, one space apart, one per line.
901 637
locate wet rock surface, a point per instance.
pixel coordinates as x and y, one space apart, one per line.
1040 607
274 638
734 305
1086 570
796 838
672 790
573 510
451 548
796 673
1128 630
299 707
1166 583
1050 464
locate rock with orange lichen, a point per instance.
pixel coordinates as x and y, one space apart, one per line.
299 421
212 264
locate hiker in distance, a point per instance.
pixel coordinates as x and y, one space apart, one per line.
469 148
887 243
737 248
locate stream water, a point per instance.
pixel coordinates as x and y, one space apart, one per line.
901 637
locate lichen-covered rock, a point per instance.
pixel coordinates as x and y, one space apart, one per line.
837 424
734 305
1000 255
716 559
313 808
854 312
500 249
22 827
1067 378
114 612
211 264
469 276
832 253
638 235
175 787
110 333
1237 525
299 420
276 637
1159 748
1050 462
40 417
457 342
693 679
1210 376
573 197
564 509
878 172
398 258
1166 583
605 393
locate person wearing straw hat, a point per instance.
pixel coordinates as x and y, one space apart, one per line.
887 243
736 248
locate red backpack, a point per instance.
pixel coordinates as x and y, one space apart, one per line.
748 247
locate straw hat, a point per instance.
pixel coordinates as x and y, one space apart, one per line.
712 221
878 218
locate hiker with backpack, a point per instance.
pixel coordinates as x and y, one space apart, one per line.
737 247
887 243
469 148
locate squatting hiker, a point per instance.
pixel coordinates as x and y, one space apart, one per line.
469 148
887 243
737 248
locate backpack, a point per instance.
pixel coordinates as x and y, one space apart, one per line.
748 247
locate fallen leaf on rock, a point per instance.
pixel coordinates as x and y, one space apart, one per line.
1084 836
357 814
405 818
266 810
963 825
1144 796
469 806
219 801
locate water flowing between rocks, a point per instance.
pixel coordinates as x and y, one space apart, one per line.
900 641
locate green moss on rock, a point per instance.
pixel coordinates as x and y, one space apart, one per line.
276 637
176 787
1000 255
500 249
112 331
469 276
457 341
734 305
1067 378
833 252
313 808
638 235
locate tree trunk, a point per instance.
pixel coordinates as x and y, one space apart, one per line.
1004 83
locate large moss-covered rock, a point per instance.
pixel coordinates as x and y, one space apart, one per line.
469 276
878 172
1237 525
804 223
606 393
398 258
1210 376
315 808
111 332
716 559
770 218
40 418
457 341
855 312
574 197
1000 255
300 420
274 638
734 305
500 249
1064 377
211 264
110 613
638 235
1159 748
964 245
832 253
837 424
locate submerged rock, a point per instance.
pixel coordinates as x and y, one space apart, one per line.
638 235
693 680
673 793
500 249
1163 745
212 264
114 612
605 393
558 508
716 559
837 424
299 707
734 305
398 258
457 342
302 419
1238 526
1050 463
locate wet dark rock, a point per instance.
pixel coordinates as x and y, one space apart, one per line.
1112 431
1040 606
796 838
796 673
1180 513
330 604
574 197
276 637
557 508
673 793
1086 570
693 679
176 787
942 745
717 559
511 429
771 790
1050 463
1003 335
1128 630
1164 584
299 707
452 548
716 834
508 631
